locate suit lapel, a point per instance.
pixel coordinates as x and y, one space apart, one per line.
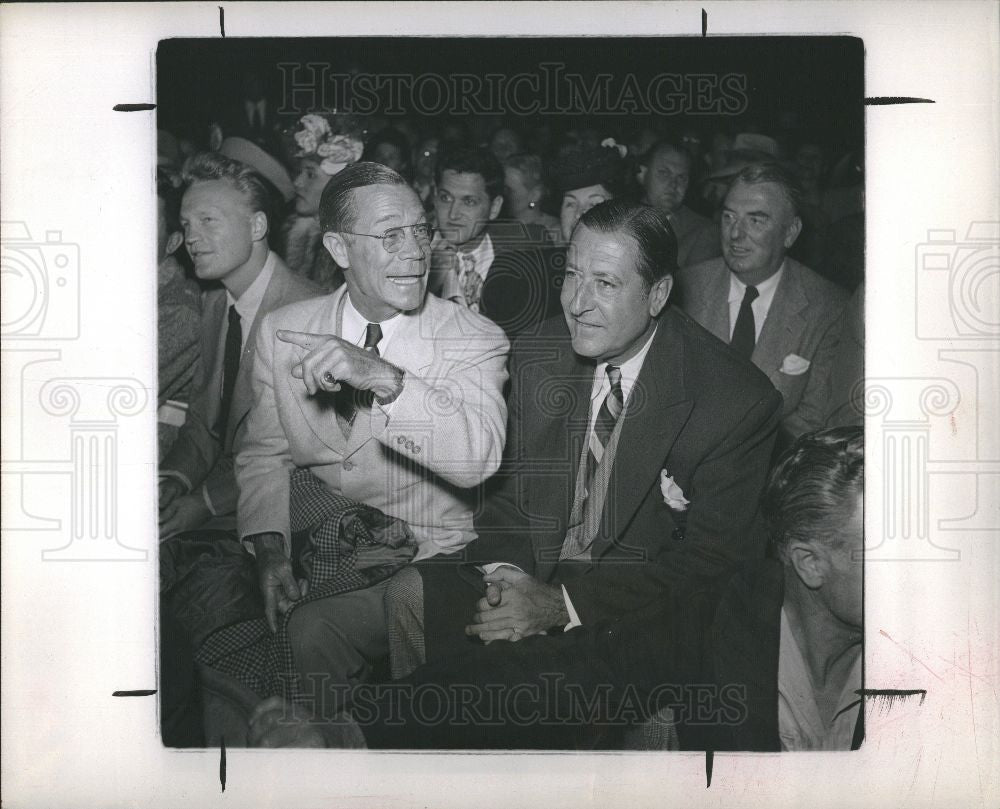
713 308
213 327
785 323
658 409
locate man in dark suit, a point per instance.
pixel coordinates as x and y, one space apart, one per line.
772 310
223 216
762 658
637 449
504 270
664 175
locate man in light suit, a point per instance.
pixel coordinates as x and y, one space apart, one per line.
223 216
424 423
664 175
504 270
772 310
685 432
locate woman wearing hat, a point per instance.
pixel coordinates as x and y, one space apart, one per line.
321 155
587 176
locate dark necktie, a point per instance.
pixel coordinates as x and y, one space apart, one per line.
744 332
604 424
353 399
230 369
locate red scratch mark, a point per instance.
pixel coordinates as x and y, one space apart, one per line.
972 709
912 656
954 425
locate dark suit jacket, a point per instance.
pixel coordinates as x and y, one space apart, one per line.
698 238
200 456
700 413
708 649
804 320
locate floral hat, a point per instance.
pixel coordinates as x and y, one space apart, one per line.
317 137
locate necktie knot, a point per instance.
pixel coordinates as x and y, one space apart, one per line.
615 400
373 334
750 295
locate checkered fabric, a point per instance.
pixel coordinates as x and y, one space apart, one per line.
341 545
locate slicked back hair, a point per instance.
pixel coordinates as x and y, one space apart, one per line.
775 173
463 160
665 146
655 241
814 487
209 166
337 211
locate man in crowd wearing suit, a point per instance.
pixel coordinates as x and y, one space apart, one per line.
504 270
769 308
764 657
390 397
637 450
664 174
225 226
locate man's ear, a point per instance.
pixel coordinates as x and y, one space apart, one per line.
337 248
174 240
495 207
640 175
258 226
659 293
809 564
792 232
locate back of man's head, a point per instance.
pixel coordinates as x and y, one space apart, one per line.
655 243
777 174
463 160
814 489
337 211
665 147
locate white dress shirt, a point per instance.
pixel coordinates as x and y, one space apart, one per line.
760 307
249 302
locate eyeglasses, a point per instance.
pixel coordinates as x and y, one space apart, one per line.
393 238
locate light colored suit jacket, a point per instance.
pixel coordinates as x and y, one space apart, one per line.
418 458
804 321
199 456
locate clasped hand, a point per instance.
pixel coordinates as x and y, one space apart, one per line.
331 358
516 606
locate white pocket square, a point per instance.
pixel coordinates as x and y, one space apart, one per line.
673 495
794 365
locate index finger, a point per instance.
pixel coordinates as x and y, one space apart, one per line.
302 339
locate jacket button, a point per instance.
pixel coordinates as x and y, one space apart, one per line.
348 466
400 440
416 450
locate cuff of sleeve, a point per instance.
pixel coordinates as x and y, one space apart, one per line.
208 501
247 542
490 567
181 478
574 619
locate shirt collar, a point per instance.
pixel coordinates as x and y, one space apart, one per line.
355 326
765 289
249 302
482 255
629 370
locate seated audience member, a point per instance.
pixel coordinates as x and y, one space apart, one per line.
664 173
389 147
225 231
322 153
523 191
728 157
505 143
769 308
586 176
765 658
503 270
389 397
280 190
178 311
637 450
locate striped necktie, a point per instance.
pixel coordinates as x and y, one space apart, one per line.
604 424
